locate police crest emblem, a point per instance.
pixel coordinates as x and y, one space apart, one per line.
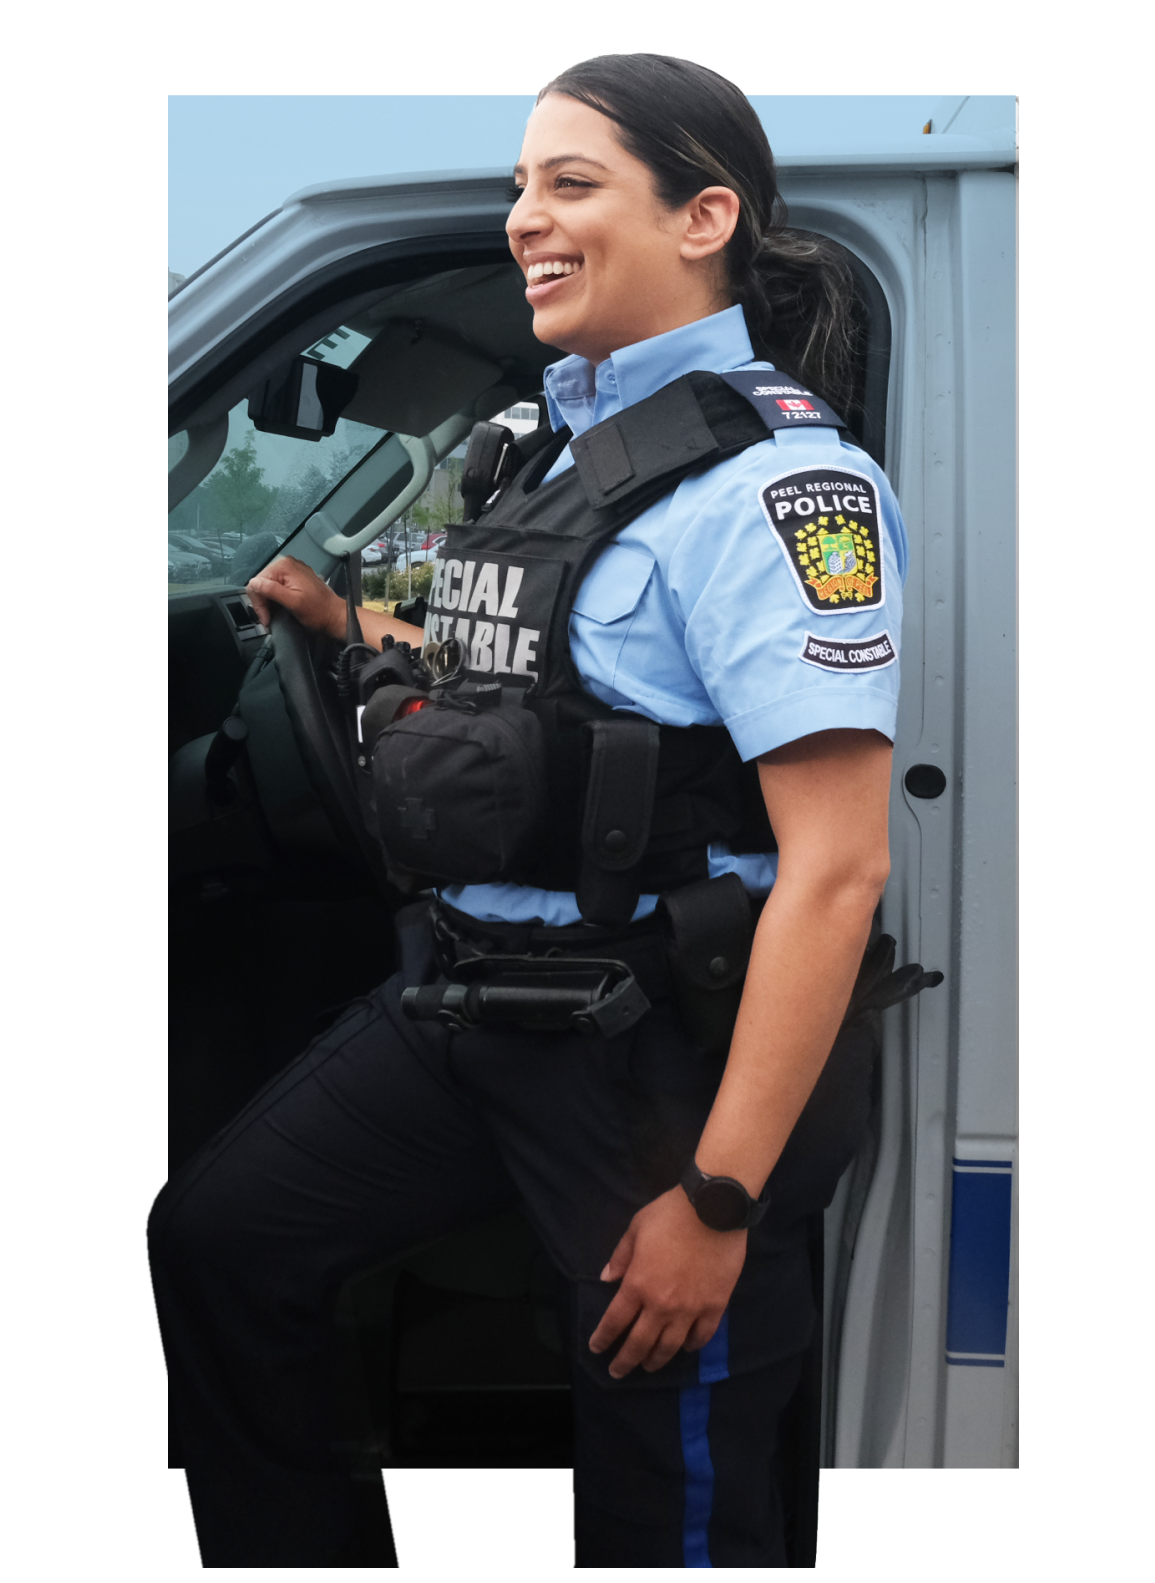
826 523
837 551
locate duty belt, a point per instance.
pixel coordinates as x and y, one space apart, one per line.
460 938
578 979
693 950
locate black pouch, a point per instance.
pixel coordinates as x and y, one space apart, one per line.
707 930
459 791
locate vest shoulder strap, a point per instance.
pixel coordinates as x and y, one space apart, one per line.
642 450
628 461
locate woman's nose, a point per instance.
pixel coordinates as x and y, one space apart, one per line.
525 218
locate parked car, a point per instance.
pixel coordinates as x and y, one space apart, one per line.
185 566
278 884
218 557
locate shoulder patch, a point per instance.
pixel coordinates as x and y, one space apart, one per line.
826 521
867 654
781 402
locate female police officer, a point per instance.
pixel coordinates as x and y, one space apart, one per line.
763 594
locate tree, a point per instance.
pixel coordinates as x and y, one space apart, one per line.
240 499
441 503
297 498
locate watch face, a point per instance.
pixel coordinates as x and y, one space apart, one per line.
721 1205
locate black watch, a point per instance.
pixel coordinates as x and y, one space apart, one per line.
722 1203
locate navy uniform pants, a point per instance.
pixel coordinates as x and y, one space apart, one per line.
386 1135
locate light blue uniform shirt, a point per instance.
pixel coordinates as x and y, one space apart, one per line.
695 615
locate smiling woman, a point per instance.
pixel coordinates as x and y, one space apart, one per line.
795 289
613 771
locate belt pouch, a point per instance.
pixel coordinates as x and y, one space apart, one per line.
616 825
707 930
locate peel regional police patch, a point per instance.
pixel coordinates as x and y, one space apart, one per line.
826 521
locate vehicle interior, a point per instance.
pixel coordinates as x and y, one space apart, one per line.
281 909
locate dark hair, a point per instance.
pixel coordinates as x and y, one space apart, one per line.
695 129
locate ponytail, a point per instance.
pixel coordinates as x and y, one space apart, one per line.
801 308
693 129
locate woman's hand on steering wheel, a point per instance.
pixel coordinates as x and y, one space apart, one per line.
297 587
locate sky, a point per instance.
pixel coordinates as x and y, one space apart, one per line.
235 158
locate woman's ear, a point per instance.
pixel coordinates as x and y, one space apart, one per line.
710 221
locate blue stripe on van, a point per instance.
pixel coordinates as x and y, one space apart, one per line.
980 1263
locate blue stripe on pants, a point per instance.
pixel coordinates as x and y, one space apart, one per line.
694 1408
695 1413
714 1358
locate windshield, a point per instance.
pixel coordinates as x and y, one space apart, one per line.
260 491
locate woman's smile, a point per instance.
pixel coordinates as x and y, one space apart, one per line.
547 276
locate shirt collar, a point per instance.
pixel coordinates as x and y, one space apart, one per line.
579 394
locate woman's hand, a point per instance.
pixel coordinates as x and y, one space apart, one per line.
297 587
676 1275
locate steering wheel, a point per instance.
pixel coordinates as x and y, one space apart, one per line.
318 720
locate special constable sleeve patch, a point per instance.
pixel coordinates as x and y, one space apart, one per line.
831 654
826 521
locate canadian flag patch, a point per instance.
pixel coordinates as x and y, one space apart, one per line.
795 406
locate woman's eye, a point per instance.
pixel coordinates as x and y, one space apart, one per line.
574 183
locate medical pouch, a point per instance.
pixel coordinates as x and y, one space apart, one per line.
459 790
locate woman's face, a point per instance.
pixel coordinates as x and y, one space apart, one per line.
606 263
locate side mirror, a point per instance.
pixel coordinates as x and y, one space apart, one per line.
303 400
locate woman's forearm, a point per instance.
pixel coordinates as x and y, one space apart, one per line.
807 950
296 586
374 626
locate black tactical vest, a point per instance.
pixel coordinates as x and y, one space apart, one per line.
627 806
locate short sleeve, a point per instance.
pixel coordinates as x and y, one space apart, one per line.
788 577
